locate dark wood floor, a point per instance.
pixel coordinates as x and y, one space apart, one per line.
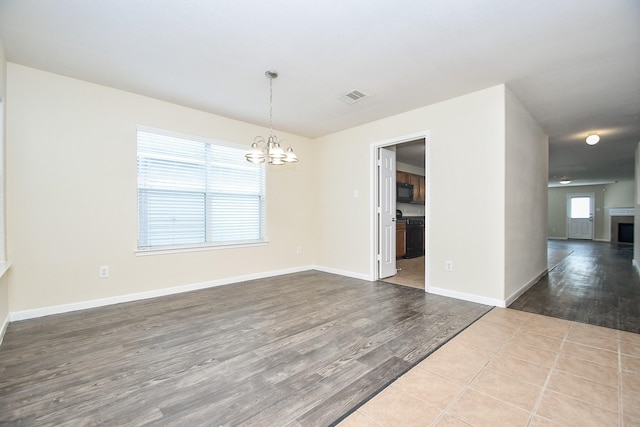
302 349
595 283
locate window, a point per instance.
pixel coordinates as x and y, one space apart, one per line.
580 207
194 192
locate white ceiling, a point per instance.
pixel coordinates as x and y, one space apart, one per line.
575 64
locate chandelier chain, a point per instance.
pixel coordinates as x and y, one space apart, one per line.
270 106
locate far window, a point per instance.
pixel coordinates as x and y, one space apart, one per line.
195 192
580 207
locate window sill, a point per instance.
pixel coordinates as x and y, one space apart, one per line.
182 249
4 266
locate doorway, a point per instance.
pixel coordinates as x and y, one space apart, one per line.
390 260
580 209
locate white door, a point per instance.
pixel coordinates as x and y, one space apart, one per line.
387 213
580 216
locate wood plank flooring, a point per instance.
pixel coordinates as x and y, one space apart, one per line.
595 283
298 350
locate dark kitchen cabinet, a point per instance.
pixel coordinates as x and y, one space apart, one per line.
419 191
401 239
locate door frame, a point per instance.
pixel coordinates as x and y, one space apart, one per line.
374 197
592 197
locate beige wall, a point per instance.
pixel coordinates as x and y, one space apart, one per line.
72 149
527 163
618 195
607 196
71 195
4 284
466 193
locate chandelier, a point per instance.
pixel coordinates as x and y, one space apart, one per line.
270 150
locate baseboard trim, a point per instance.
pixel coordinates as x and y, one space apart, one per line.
557 238
637 267
466 297
83 305
525 287
343 273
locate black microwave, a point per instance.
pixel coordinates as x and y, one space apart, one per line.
404 192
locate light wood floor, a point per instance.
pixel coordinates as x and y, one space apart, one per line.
302 349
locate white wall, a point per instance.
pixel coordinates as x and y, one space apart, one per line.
466 182
527 164
71 195
403 167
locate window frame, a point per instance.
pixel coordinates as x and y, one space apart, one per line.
204 245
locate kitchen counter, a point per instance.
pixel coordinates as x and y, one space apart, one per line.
405 218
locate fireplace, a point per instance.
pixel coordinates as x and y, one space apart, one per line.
622 228
625 233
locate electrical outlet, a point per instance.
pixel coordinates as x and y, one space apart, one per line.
299 250
448 265
104 271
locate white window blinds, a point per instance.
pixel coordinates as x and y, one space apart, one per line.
196 193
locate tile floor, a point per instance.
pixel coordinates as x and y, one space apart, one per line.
410 273
513 368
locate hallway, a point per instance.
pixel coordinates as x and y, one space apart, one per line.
595 283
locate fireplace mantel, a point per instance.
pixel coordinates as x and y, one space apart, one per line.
622 211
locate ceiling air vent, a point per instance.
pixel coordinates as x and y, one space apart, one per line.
352 97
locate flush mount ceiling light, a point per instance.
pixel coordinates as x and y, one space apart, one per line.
269 150
565 180
593 139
